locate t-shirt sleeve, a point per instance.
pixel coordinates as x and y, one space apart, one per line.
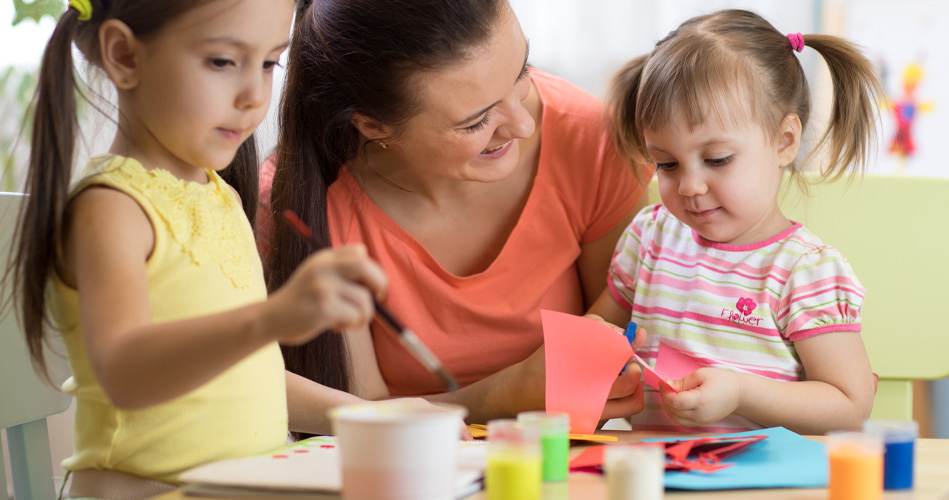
822 295
264 211
628 257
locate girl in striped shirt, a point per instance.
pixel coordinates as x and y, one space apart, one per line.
717 271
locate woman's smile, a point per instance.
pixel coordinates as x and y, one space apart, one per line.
497 151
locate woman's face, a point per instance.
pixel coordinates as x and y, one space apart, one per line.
471 113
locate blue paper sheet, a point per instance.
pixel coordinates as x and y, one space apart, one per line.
783 459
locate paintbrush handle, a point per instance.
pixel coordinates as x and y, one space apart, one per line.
420 351
408 337
387 316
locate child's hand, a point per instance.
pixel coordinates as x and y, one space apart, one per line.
705 396
332 290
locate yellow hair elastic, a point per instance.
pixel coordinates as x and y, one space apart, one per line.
84 7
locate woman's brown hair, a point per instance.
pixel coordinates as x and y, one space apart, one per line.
712 62
351 57
38 242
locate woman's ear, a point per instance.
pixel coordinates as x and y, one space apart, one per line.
121 54
789 139
372 129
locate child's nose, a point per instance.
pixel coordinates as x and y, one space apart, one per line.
254 94
691 183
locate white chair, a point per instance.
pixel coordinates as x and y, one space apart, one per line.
25 400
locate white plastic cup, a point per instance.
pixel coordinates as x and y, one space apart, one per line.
635 471
398 449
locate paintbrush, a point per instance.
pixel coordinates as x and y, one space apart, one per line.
409 339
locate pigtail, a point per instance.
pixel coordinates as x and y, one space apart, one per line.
851 131
38 240
241 174
621 106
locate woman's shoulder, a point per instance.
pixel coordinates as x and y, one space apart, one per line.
561 97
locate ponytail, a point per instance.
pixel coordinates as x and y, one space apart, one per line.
621 106
241 174
38 241
851 131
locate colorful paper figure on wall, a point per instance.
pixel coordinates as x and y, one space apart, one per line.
905 110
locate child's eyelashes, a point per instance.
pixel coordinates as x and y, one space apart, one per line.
711 162
220 62
720 162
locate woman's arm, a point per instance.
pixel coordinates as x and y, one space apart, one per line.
519 387
594 260
838 392
308 404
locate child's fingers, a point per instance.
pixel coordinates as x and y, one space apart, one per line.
355 265
682 401
355 307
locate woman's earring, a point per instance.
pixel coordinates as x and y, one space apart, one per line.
383 145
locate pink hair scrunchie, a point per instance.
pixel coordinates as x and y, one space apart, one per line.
797 41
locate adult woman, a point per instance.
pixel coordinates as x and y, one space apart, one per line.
409 126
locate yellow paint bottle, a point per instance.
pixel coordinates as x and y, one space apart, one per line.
514 461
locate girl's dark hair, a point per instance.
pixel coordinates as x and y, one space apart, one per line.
711 62
38 242
351 57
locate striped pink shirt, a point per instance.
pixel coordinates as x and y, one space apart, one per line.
735 307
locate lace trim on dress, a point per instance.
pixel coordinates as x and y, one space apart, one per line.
205 219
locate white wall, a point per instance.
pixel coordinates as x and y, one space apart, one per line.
584 41
896 34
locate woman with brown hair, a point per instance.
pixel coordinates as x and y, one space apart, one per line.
487 190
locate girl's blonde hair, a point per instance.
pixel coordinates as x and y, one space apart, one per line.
712 62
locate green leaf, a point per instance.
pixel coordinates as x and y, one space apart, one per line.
36 10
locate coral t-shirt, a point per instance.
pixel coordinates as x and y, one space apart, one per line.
482 323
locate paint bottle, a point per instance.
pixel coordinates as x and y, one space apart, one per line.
634 471
899 445
554 429
856 466
514 461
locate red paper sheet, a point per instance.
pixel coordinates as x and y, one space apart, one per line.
698 454
583 358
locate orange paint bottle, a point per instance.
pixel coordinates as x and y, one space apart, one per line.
856 466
